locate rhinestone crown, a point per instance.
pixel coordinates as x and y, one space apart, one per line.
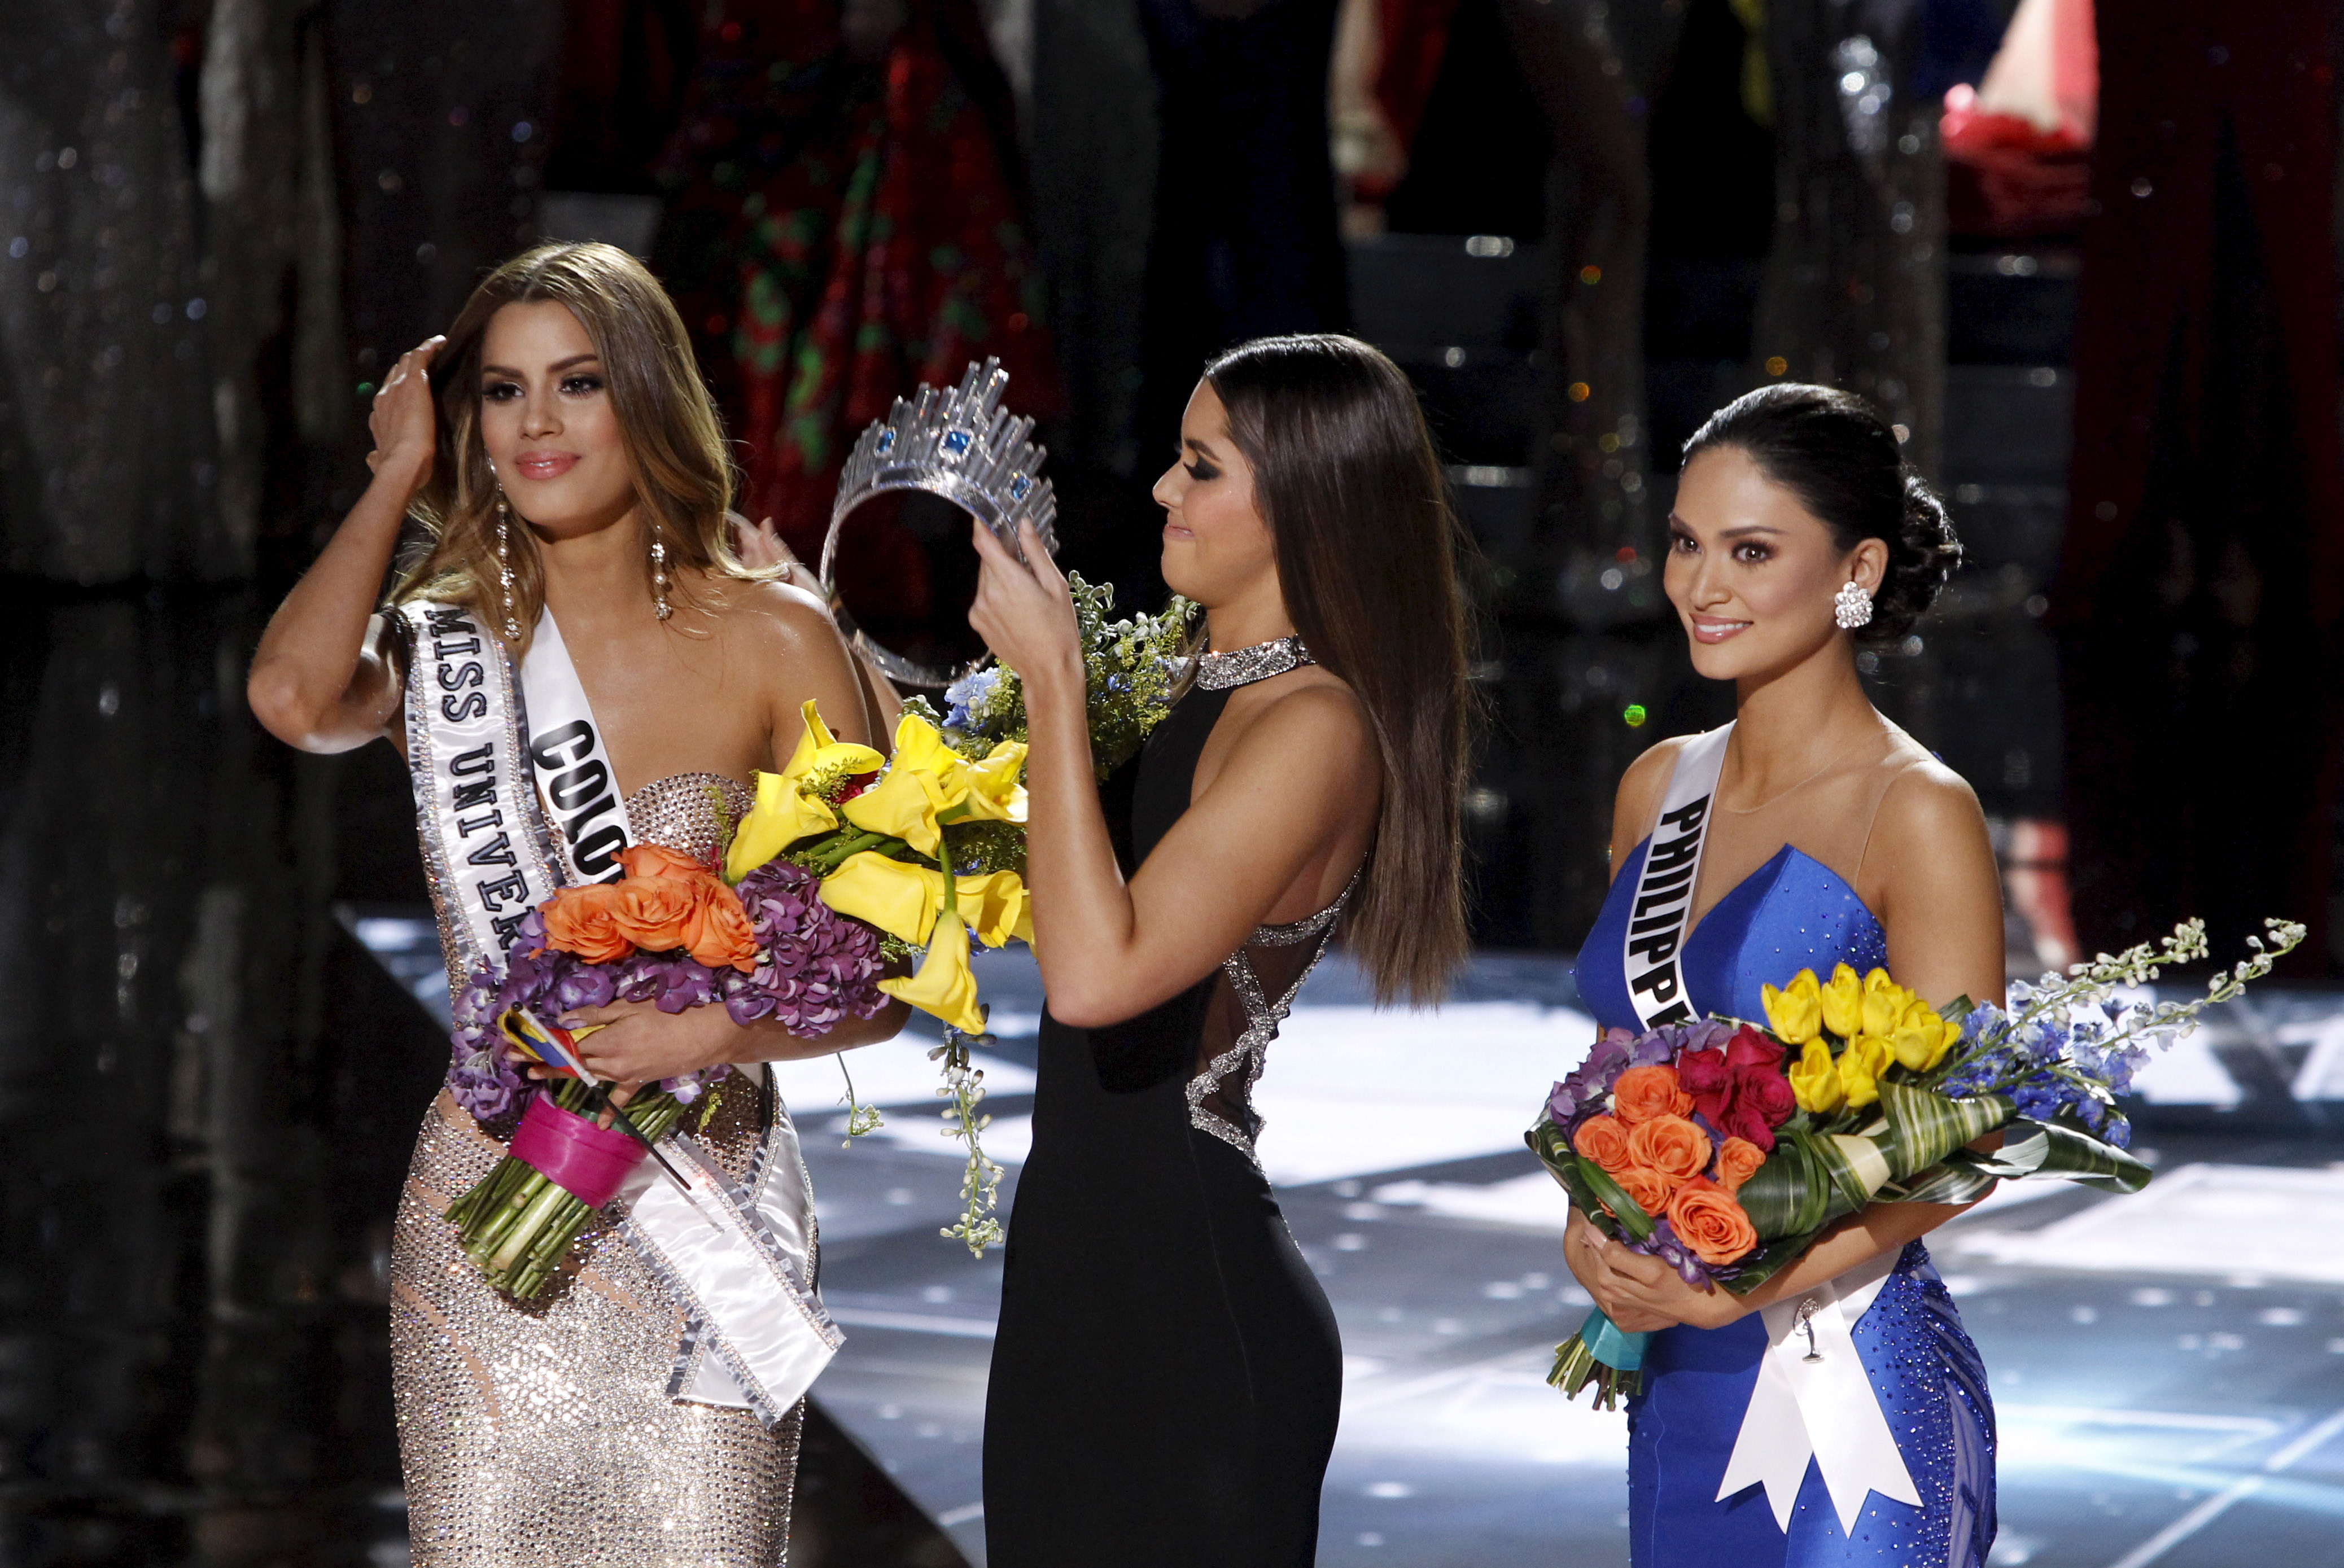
961 444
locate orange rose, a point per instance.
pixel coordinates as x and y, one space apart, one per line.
1649 1188
1670 1145
1643 1092
1708 1220
717 932
651 912
1602 1140
582 920
1738 1159
659 861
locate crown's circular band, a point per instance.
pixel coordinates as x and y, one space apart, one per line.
962 445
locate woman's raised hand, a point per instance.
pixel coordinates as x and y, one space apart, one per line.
405 430
1023 608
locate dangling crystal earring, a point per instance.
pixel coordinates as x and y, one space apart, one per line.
504 564
1851 607
658 576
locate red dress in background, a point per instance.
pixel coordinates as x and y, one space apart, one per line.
842 230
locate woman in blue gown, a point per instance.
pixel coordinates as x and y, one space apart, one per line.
1832 838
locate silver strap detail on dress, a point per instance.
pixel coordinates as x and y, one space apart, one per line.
1251 1051
1244 666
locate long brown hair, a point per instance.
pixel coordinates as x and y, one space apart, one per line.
683 473
1345 475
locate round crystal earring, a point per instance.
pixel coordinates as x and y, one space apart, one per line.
658 576
504 564
1851 607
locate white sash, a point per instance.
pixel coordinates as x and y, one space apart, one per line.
740 1261
1824 1409
574 772
1653 956
489 856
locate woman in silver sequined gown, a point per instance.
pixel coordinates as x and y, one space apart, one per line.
562 455
1166 1377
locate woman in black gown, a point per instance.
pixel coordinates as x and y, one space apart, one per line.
1166 1377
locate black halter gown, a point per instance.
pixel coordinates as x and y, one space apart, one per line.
1168 1377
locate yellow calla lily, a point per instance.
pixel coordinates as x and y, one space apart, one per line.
1814 1080
1844 1003
782 815
994 794
903 805
785 811
1884 1002
1796 1011
819 752
995 907
900 900
943 984
919 744
1867 1056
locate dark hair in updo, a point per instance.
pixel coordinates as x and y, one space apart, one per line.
1840 457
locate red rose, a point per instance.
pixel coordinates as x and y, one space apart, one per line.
1750 1048
1765 1091
1705 1075
1744 1122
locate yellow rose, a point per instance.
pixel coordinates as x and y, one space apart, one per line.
1796 1011
1867 1056
1844 1003
1814 1080
899 899
944 985
1884 1002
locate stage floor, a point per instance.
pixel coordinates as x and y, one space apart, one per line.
2169 1369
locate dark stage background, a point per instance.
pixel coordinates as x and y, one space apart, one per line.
1578 225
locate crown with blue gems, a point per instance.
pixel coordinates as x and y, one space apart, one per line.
961 444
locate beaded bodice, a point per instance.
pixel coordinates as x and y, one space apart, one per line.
690 813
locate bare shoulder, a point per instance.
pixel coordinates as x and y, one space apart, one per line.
774 615
1929 836
1638 799
1928 803
1321 719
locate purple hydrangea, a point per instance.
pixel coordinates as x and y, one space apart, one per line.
815 967
1582 1094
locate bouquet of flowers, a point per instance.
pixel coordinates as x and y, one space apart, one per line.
928 847
1725 1148
839 870
671 933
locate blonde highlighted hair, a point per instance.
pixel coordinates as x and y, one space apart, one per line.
674 441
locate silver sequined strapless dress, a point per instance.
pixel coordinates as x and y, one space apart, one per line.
542 1435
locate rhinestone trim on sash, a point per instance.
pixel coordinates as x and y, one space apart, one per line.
1244 666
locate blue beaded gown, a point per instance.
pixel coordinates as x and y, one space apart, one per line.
1794 912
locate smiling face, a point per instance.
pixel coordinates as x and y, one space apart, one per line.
1752 572
547 418
1217 548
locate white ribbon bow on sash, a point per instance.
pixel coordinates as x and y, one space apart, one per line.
1814 1401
